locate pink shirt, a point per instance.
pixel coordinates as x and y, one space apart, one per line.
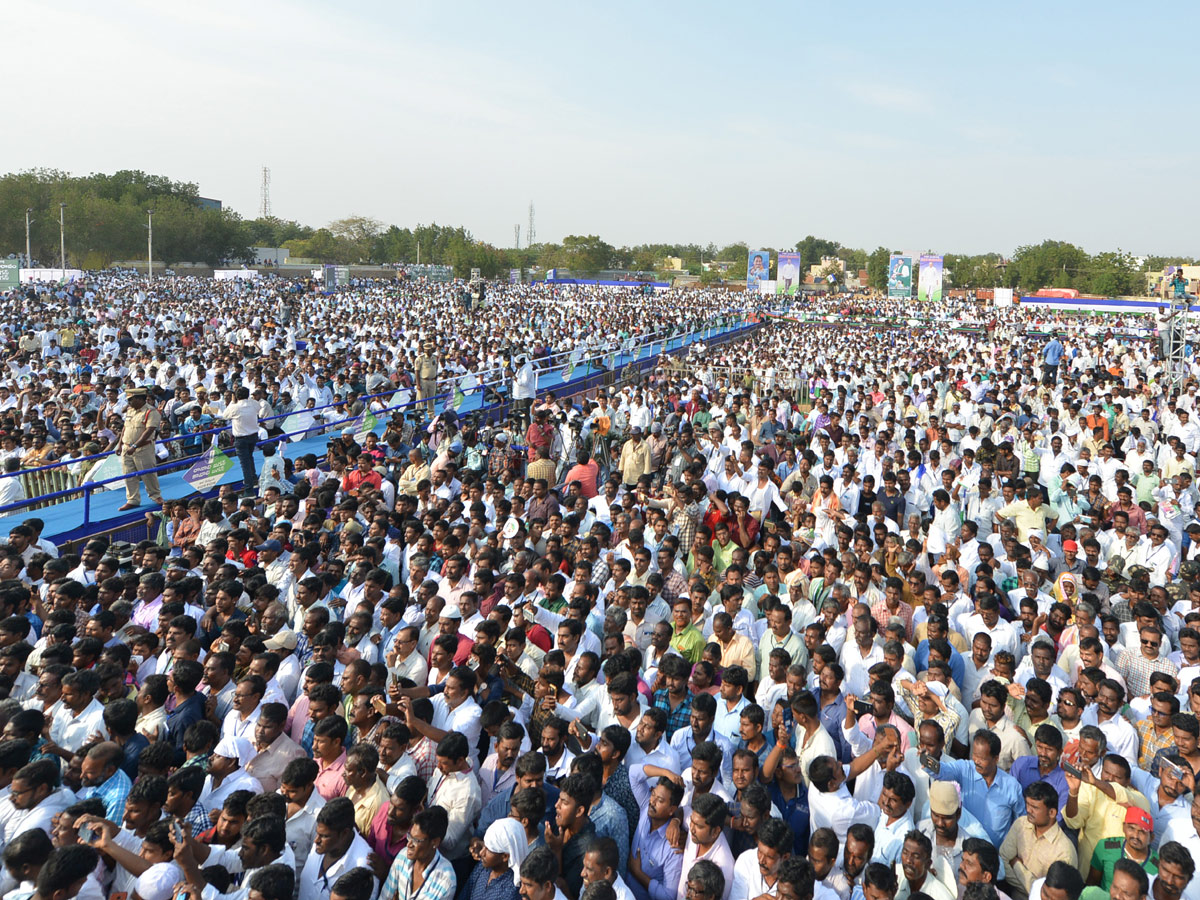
330 782
380 834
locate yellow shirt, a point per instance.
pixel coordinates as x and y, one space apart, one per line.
1027 518
1098 817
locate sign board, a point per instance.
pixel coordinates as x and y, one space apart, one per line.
431 273
10 274
474 274
1003 297
336 276
61 276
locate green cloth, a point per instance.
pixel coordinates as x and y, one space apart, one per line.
689 643
1105 857
723 556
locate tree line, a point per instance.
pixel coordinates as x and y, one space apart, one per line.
106 218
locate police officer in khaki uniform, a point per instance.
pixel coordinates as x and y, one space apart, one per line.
136 448
427 371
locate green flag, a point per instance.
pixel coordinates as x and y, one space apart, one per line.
364 426
206 473
459 398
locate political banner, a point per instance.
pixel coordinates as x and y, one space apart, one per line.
301 425
10 274
787 277
514 276
758 269
929 278
208 471
899 282
364 425
109 467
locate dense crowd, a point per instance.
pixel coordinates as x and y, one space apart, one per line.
827 612
73 352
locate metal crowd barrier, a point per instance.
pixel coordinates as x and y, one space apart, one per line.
645 356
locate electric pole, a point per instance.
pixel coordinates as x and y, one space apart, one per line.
150 244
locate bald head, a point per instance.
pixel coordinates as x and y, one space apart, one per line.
100 763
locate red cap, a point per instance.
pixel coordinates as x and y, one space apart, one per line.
1139 817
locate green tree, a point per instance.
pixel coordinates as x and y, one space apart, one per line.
812 248
586 254
877 268
1048 264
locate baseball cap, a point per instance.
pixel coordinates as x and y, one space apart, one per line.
1139 817
270 545
944 799
284 639
1070 545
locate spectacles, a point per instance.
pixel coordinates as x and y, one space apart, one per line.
1151 644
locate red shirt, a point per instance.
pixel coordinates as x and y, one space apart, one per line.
735 532
358 477
586 476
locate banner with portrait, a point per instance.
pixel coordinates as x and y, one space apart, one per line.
788 275
899 283
929 278
758 269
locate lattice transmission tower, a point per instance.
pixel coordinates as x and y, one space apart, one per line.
264 211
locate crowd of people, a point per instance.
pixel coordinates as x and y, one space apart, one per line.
74 351
824 612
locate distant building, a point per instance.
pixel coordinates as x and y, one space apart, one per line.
1160 282
673 263
271 256
208 203
826 262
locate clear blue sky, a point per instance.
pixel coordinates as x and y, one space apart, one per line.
950 127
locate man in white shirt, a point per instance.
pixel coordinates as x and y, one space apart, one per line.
337 848
79 716
454 788
243 415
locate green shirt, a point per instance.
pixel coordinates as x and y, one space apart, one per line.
1108 852
689 643
723 556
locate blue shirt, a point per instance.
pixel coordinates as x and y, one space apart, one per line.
498 807
996 806
180 719
957 667
662 865
795 813
832 717
610 820
481 886
133 748
1053 353
1025 770
113 792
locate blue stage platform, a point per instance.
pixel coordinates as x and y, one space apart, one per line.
96 512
